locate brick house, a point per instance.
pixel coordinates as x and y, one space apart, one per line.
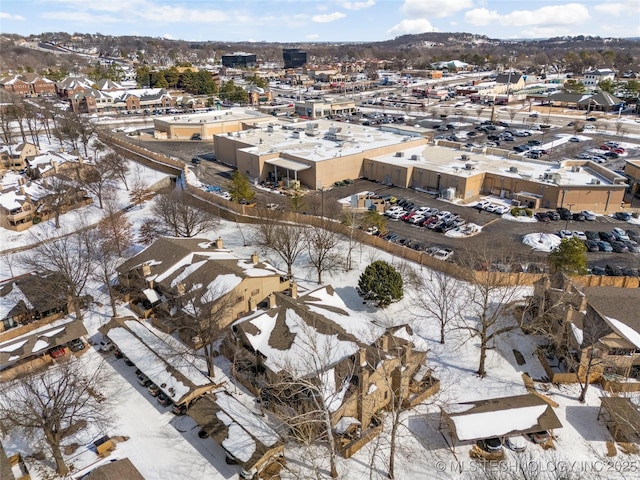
305 344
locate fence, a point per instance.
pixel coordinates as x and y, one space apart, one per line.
231 211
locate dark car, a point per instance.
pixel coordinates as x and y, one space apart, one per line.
605 246
179 409
624 216
164 399
128 362
607 236
578 217
542 217
195 160
555 216
619 247
632 245
598 271
76 345
591 119
490 445
154 390
592 245
564 213
630 272
196 136
613 270
591 235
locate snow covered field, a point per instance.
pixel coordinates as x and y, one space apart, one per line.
166 447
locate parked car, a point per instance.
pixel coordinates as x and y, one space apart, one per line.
106 345
179 409
128 362
490 445
565 234
555 216
564 213
540 437
574 139
613 270
630 272
76 345
588 215
632 245
620 234
516 444
143 380
607 236
624 216
543 217
154 390
372 230
501 209
164 399
196 136
591 235
579 235
619 247
195 160
592 245
605 246
57 352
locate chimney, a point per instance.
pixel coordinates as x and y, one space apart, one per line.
21 189
255 258
219 243
406 352
272 300
384 342
293 289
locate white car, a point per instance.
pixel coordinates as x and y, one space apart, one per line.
580 235
588 215
491 208
443 254
620 234
372 230
398 214
422 210
565 234
416 219
393 210
501 209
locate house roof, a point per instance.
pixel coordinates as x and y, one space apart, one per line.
601 98
620 304
242 433
159 357
498 417
38 341
29 293
117 470
510 78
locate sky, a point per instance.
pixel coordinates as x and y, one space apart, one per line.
291 21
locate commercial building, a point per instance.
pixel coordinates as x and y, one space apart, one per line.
293 57
239 60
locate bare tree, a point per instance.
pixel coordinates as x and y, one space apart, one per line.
440 298
51 405
118 166
321 246
284 239
97 178
61 193
68 260
178 214
490 298
115 226
140 189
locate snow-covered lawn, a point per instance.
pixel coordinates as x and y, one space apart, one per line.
165 447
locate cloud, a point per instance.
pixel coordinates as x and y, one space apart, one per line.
628 7
9 16
569 14
80 17
357 5
434 8
405 27
328 18
312 36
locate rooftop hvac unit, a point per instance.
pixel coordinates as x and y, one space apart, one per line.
399 154
414 157
464 157
513 169
595 181
295 134
515 203
469 166
575 168
270 128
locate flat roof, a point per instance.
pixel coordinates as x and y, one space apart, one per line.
450 161
213 117
318 140
288 164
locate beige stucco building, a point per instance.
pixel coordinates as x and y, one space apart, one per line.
182 127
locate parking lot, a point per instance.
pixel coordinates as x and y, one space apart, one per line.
495 229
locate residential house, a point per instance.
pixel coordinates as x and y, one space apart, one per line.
588 328
28 84
15 157
180 281
593 77
509 83
310 345
70 85
115 470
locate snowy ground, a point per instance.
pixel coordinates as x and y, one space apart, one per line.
165 447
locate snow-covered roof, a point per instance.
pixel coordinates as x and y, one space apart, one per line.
162 362
498 417
625 331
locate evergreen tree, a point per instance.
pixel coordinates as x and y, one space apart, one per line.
380 282
239 187
569 257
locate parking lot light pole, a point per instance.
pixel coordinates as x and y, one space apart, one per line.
566 225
